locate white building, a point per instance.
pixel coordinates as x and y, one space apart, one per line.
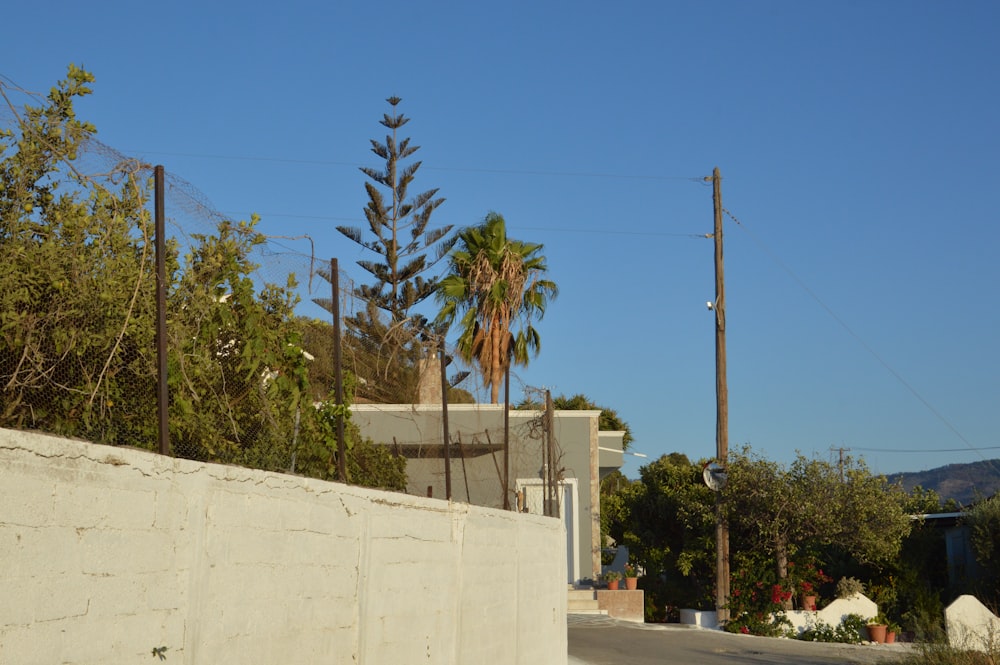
583 455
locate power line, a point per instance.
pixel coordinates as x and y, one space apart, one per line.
326 162
915 450
857 337
328 218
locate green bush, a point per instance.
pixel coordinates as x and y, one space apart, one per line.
925 616
849 586
757 597
848 632
942 654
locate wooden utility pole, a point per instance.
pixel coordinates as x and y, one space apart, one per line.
721 410
841 463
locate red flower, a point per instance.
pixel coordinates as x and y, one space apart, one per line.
744 630
779 595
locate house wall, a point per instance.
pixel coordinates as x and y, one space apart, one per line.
962 563
479 479
109 553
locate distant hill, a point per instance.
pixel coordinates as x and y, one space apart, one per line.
962 482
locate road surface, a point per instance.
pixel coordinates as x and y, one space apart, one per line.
599 640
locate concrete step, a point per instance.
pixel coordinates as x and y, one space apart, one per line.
582 601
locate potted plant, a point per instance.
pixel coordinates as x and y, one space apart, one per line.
891 632
848 587
877 628
612 577
806 579
631 577
808 598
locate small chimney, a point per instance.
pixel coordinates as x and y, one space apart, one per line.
429 387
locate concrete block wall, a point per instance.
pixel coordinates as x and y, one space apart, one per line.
623 604
108 553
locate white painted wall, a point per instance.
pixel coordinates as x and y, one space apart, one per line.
477 479
109 552
972 626
834 613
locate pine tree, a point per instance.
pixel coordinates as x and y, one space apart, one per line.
384 336
399 226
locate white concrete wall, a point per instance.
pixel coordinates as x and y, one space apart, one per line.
834 613
972 626
108 553
478 479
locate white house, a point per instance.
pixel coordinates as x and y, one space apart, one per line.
583 455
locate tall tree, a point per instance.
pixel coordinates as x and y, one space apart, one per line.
666 520
76 280
399 226
811 502
983 519
78 305
495 284
383 341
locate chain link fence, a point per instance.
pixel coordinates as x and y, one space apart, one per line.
250 353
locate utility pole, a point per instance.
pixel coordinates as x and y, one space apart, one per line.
721 410
842 450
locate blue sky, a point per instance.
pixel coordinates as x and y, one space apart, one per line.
857 142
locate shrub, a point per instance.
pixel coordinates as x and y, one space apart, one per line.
849 586
925 617
848 632
757 598
942 654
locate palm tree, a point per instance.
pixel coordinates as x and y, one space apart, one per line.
495 283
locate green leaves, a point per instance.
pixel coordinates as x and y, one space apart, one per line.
811 504
75 286
983 520
398 225
496 282
77 316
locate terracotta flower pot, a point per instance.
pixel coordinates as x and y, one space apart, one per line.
809 602
613 585
876 632
631 583
890 637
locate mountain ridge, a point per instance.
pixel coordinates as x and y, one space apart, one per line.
965 483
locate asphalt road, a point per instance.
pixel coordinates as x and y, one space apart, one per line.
599 640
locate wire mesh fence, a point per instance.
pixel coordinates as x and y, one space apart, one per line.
249 345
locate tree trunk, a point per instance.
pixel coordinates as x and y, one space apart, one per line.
496 367
781 559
